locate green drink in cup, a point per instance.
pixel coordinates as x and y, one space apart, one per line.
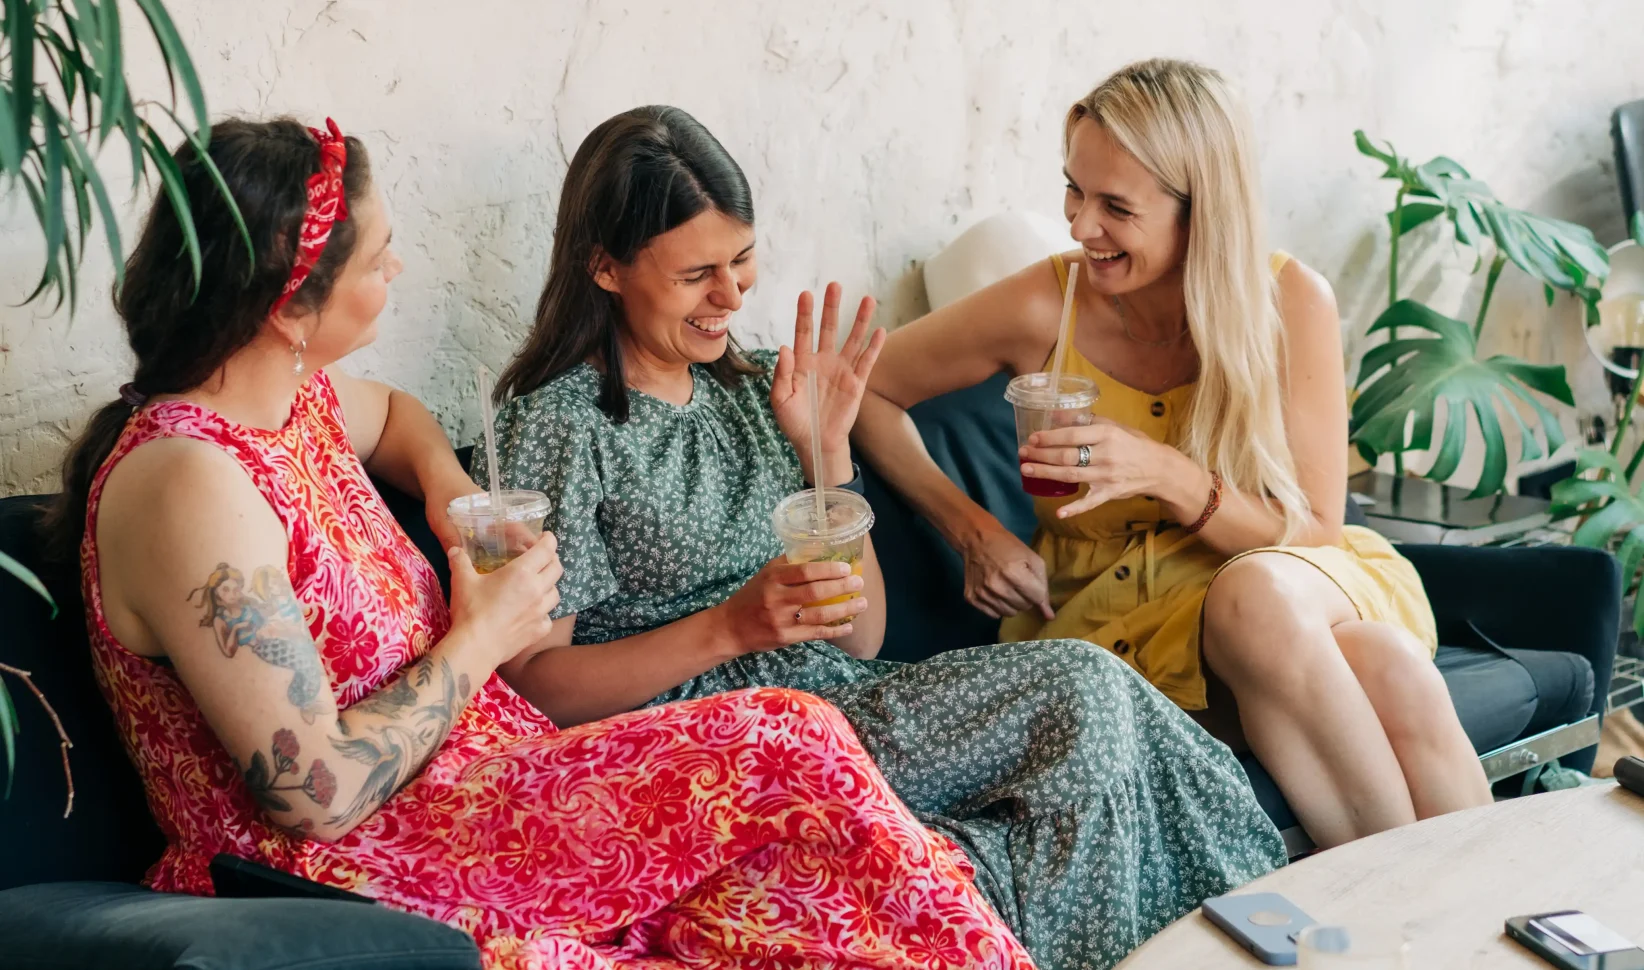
494 535
841 536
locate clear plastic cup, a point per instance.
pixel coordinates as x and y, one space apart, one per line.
1039 407
1352 946
495 537
843 537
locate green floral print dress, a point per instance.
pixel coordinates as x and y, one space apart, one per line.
1094 811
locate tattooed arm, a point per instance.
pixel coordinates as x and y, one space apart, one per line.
193 568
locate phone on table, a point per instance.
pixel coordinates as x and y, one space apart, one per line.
1266 924
1575 941
1629 772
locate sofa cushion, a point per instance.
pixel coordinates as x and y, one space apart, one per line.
71 926
971 436
110 834
1494 695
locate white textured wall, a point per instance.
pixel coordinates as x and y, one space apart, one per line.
872 134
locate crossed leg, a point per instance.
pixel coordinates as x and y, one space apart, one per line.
1349 716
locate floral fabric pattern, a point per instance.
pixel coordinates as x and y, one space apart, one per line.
745 830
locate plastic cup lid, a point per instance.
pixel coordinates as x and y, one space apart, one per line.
849 516
1034 391
518 504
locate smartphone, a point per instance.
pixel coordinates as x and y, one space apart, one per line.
1575 941
236 878
1266 924
1629 772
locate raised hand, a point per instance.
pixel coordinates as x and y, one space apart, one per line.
842 378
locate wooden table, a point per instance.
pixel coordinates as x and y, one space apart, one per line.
1451 881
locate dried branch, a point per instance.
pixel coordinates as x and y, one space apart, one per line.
64 743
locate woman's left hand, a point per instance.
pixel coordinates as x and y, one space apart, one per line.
1124 463
841 379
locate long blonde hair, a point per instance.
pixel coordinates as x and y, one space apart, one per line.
1186 126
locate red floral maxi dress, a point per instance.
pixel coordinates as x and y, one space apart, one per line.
743 830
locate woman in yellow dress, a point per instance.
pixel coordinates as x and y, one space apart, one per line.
1204 544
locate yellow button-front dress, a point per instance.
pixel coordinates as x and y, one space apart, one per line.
1123 576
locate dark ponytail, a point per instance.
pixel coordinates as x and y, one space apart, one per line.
636 176
181 337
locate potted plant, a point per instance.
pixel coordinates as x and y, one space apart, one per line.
63 99
1429 356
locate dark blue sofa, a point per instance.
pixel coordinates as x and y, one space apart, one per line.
1527 632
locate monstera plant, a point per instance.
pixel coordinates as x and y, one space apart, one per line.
63 100
1429 357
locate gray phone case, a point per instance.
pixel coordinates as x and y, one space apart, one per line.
1266 924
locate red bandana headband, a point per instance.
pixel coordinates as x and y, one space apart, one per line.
326 205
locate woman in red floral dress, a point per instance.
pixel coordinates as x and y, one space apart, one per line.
294 691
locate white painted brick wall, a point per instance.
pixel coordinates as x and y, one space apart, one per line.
873 132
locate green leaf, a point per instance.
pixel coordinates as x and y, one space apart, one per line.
20 36
21 573
37 199
172 179
1389 157
111 226
8 734
111 66
179 66
202 150
1410 376
1414 214
131 128
11 152
52 162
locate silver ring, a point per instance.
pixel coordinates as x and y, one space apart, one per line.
1084 456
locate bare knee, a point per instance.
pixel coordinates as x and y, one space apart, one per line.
1256 624
1406 689
783 711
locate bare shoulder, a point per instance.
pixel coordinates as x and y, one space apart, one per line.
1307 304
170 510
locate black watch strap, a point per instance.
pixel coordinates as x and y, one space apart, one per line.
854 485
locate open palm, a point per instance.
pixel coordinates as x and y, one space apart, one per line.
841 375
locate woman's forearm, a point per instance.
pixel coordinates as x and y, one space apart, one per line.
867 634
378 744
1241 522
888 438
414 455
578 683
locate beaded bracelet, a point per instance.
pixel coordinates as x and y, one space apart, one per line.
1210 506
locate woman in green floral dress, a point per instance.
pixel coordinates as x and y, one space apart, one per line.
1094 811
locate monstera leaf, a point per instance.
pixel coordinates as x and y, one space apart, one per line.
1411 375
1561 255
1610 512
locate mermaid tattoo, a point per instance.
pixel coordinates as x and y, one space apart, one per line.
267 619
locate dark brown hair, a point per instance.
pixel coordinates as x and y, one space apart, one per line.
181 337
635 177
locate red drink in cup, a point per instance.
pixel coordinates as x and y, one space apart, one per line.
1040 407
